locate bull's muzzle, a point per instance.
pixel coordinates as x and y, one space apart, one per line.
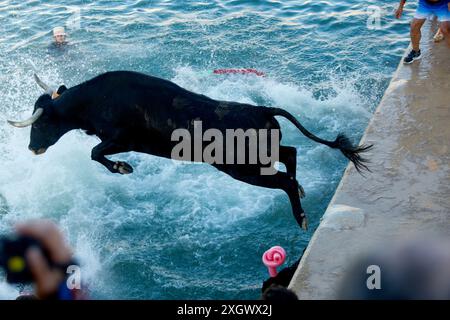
38 151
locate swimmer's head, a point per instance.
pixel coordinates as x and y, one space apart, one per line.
59 35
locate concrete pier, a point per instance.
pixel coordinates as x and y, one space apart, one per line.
408 191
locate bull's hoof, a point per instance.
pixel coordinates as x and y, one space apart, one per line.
304 221
301 191
123 167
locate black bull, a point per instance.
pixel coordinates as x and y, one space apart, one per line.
130 111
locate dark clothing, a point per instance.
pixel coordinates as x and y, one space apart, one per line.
283 278
58 49
436 2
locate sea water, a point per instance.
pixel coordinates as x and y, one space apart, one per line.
171 231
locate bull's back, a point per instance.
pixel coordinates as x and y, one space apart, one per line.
146 102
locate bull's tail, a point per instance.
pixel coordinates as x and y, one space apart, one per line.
342 142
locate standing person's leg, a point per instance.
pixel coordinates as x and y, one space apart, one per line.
439 36
415 53
416 34
424 11
445 27
445 23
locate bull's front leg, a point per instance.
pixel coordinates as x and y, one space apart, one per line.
107 148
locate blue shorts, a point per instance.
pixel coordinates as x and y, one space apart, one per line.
427 11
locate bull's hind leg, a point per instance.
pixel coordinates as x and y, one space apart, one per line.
291 187
107 148
279 180
288 156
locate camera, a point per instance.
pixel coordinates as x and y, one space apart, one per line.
12 257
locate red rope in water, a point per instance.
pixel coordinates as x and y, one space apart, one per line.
239 71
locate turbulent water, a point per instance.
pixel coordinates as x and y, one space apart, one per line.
172 231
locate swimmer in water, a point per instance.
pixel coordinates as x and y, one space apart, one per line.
59 45
59 36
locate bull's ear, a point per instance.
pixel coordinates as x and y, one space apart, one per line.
61 89
59 92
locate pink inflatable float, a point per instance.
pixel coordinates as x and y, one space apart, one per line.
273 258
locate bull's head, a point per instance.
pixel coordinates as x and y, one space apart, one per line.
46 128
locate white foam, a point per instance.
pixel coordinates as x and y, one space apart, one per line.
90 203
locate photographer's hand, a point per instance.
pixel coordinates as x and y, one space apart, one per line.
47 279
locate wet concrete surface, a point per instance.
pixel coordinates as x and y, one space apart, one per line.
408 191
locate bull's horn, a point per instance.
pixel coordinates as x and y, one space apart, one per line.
29 122
43 85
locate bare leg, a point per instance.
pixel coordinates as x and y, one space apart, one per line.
439 36
445 27
416 34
